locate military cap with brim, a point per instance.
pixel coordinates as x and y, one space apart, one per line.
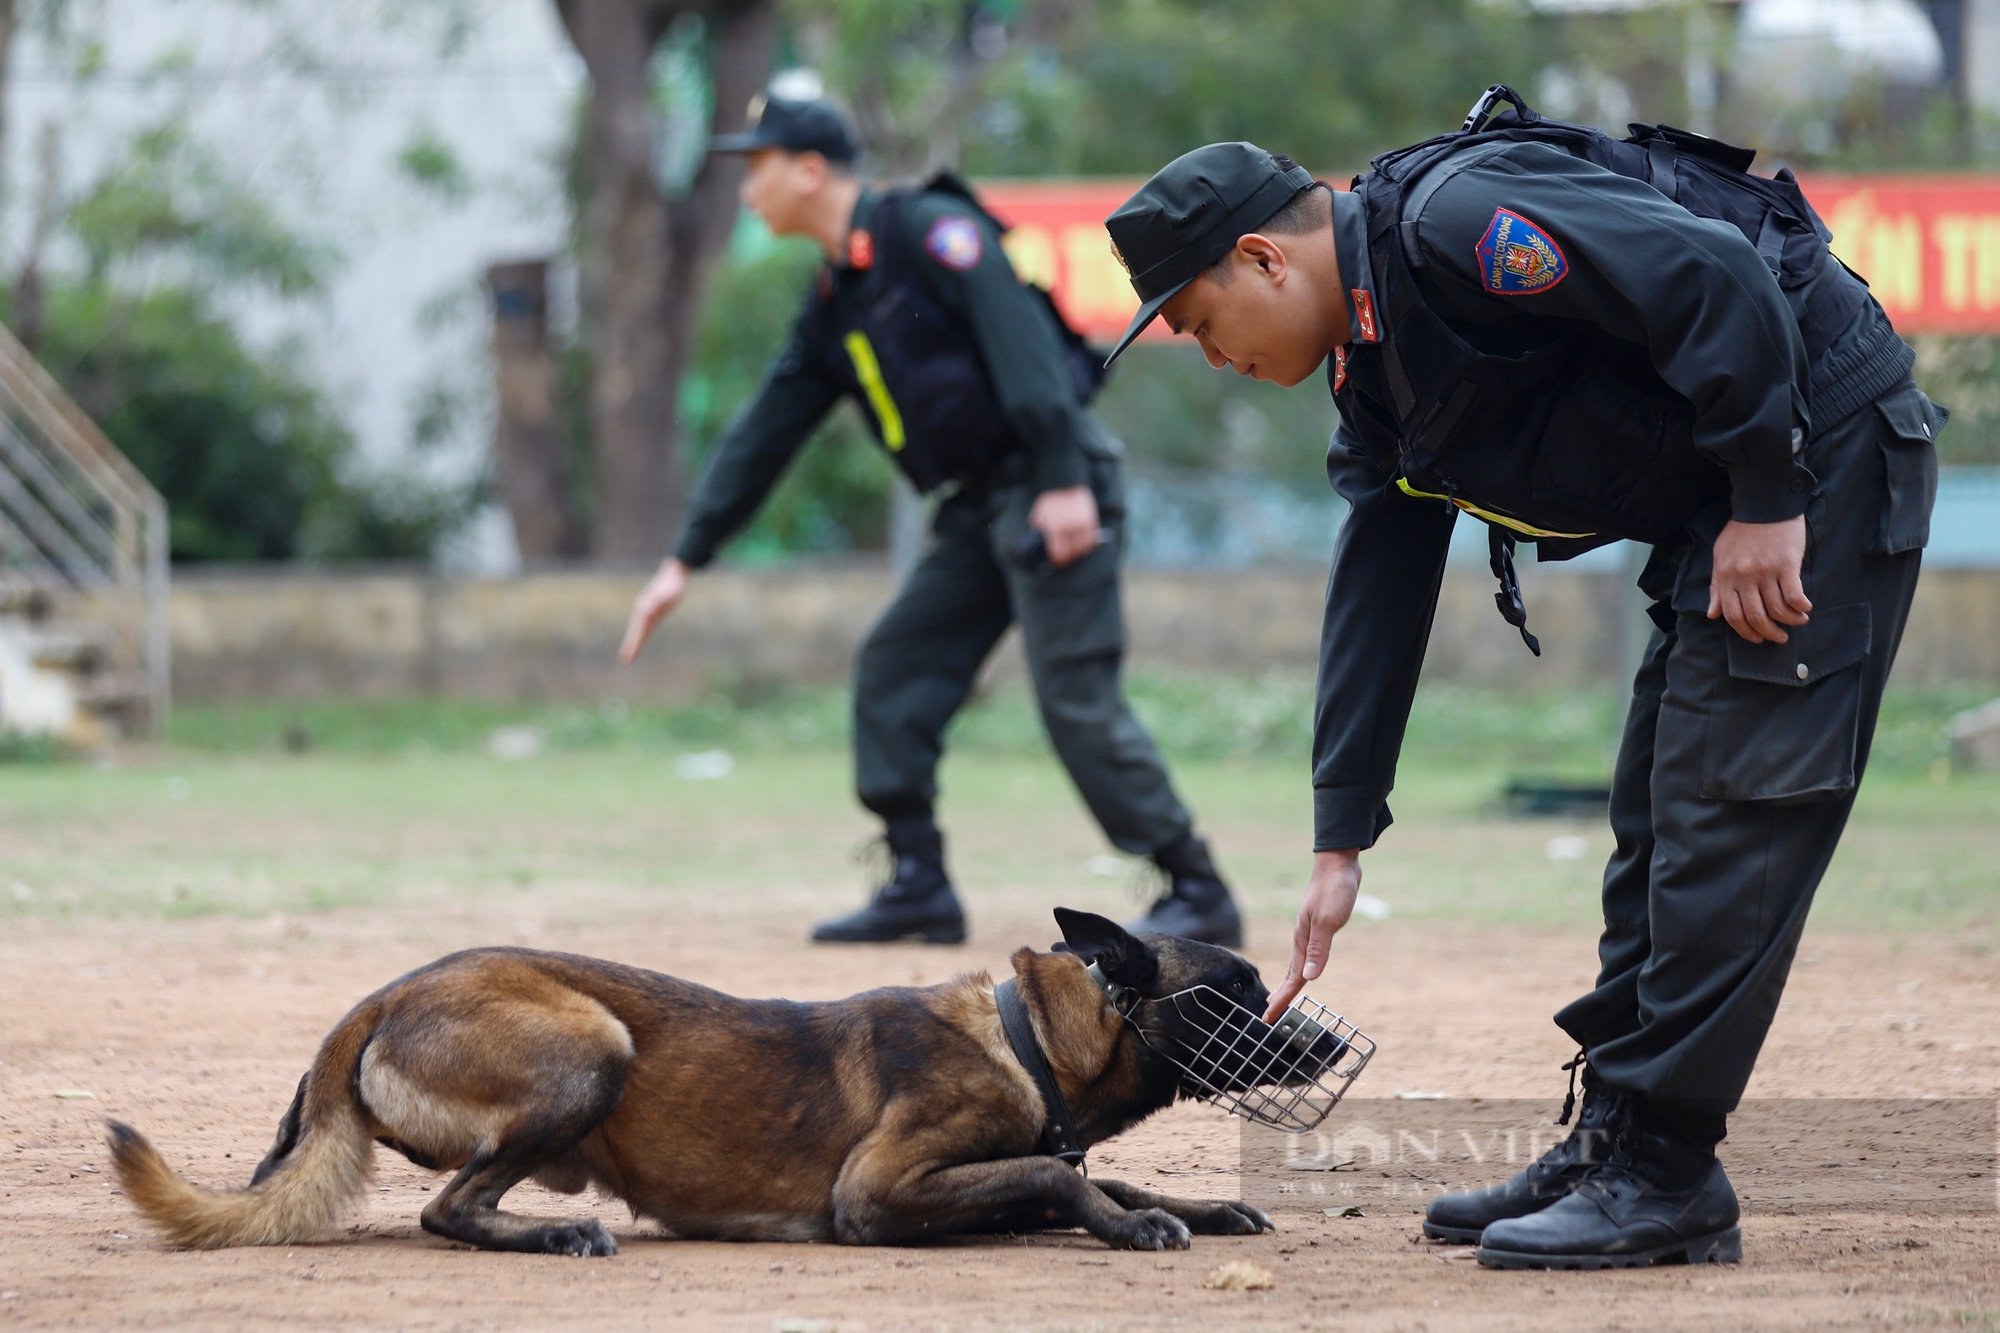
796 125
1189 216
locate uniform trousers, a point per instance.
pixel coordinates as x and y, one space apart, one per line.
1737 770
920 661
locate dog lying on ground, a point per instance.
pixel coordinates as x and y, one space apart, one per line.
891 1117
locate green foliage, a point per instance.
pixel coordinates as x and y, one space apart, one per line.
1331 89
169 203
428 162
1964 375
20 748
1174 411
248 453
236 447
254 460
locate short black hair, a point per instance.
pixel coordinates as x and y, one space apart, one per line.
1308 210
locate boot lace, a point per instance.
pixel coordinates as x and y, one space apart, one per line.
877 862
1569 1099
1150 883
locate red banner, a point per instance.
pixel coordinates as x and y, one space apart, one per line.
1928 245
1058 241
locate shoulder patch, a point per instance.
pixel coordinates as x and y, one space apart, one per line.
1518 258
955 242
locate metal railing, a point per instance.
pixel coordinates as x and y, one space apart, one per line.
77 519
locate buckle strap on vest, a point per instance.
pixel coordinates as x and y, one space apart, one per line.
1500 551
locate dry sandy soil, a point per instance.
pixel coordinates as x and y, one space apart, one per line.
197 1030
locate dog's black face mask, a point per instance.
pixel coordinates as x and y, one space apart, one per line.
1198 1004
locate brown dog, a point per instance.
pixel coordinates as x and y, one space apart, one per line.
893 1116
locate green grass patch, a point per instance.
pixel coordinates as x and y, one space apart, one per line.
1572 731
406 803
19 748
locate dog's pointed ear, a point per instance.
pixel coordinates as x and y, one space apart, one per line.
1100 940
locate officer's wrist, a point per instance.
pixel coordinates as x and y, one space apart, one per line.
693 554
1347 818
1767 494
1058 466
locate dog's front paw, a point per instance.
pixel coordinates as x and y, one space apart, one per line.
1231 1218
1152 1229
585 1240
1258 1219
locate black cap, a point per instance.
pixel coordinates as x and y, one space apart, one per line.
794 124
1189 215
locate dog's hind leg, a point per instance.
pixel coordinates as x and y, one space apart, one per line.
500 1072
468 1209
541 1132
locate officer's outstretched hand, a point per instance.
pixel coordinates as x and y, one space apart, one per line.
1336 880
658 597
1067 520
1755 586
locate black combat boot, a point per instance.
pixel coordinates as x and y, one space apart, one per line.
1460 1218
1658 1198
917 901
1196 905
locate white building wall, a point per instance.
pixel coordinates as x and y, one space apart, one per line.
1982 53
310 103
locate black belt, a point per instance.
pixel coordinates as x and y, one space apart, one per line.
1059 1137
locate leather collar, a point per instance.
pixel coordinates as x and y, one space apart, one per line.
1059 1137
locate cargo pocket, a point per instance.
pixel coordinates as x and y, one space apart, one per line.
1909 464
1785 720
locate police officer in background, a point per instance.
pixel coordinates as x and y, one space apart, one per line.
976 391
1526 326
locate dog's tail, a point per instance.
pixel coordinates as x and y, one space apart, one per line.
324 1158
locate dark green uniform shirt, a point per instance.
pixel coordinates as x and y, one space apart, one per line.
1018 346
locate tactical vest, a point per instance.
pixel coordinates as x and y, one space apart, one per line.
1516 439
912 364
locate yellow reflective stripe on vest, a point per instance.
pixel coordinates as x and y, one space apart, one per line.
1403 485
862 354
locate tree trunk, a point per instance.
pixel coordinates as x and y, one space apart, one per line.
645 255
528 456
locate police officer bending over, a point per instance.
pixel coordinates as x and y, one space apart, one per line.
1526 326
972 386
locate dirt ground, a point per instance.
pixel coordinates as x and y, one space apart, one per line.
197 1030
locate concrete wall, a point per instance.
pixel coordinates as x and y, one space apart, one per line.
242 635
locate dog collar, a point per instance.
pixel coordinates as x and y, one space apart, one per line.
1059 1137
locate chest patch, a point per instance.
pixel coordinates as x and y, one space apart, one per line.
1517 258
955 242
1340 368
